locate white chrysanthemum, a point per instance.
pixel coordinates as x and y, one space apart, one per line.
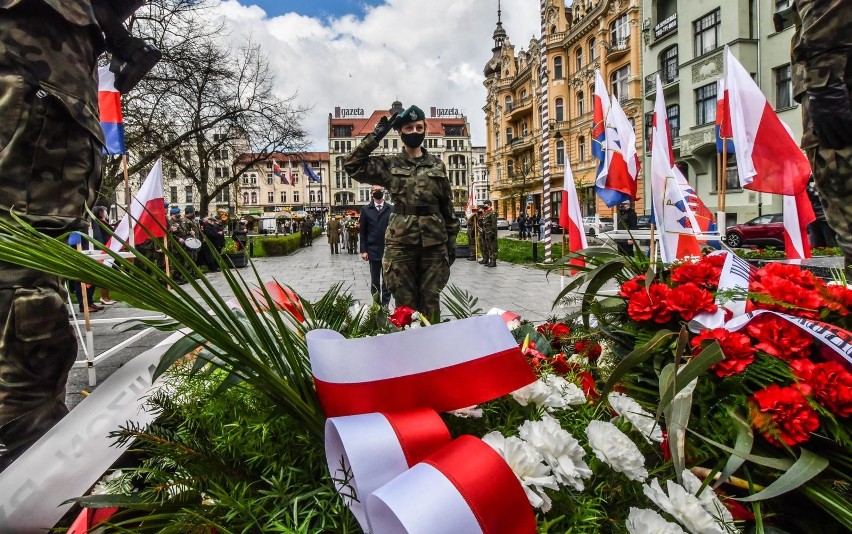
527 464
685 507
708 499
615 449
641 420
514 324
469 412
552 393
560 450
644 521
103 485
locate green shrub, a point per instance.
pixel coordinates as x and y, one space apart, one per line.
276 246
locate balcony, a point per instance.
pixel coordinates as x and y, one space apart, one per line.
519 144
667 26
616 48
524 104
669 77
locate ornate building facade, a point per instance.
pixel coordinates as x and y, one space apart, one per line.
578 39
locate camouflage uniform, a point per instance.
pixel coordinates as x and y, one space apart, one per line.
177 229
191 228
415 263
489 234
50 165
822 50
472 232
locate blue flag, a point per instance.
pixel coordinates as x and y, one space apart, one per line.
312 176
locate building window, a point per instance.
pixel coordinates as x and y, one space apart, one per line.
705 104
673 113
509 135
223 196
283 196
245 198
732 178
556 203
269 179
783 87
270 197
557 69
618 80
560 152
499 172
581 148
620 32
188 191
173 197
560 110
593 50
578 55
312 197
173 173
781 5
253 198
395 144
295 196
524 130
706 31
508 103
341 131
581 103
668 65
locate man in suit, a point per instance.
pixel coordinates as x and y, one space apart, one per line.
374 222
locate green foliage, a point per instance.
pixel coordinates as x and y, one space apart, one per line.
276 246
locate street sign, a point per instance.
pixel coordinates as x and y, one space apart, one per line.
529 198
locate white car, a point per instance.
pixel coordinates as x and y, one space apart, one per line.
595 226
502 224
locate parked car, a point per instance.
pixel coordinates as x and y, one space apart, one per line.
502 224
594 225
643 222
764 230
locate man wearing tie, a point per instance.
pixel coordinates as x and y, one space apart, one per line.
374 222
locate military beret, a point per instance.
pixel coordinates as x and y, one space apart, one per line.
412 114
174 211
189 209
487 203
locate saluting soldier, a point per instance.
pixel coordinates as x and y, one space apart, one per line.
420 241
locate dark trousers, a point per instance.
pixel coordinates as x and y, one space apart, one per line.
375 275
820 234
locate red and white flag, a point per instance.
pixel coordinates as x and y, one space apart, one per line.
147 211
570 216
798 214
468 211
768 158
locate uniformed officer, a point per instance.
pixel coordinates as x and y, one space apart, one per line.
489 235
420 241
472 234
191 229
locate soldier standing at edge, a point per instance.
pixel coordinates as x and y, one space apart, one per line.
822 83
420 242
489 236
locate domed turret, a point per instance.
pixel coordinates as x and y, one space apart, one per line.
499 36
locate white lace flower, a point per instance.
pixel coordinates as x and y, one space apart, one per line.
560 450
685 507
615 449
470 411
644 521
641 420
527 464
708 499
552 393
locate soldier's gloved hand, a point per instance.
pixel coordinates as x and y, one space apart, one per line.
451 249
384 126
831 114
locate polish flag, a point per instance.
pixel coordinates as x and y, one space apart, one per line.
468 211
147 211
570 216
614 145
109 104
768 158
673 216
798 214
724 135
276 170
290 172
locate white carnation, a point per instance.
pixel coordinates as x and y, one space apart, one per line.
528 465
552 393
470 411
615 449
708 499
560 450
644 521
641 420
685 507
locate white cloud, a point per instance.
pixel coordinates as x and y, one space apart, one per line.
429 53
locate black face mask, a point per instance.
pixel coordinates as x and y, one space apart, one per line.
378 195
412 140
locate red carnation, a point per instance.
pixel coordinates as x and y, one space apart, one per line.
830 382
783 415
689 300
839 299
587 384
628 288
778 337
650 305
737 349
589 349
703 274
557 332
801 277
401 316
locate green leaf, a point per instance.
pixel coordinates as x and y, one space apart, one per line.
774 463
177 351
677 419
710 356
743 445
637 356
806 467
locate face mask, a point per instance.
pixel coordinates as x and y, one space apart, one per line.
378 195
412 140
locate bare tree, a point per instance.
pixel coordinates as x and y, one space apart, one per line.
204 104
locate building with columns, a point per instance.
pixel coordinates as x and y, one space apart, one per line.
480 175
589 35
447 137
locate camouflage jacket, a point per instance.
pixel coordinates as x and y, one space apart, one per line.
414 184
489 224
191 228
821 49
177 228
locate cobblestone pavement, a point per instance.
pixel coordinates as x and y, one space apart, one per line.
310 271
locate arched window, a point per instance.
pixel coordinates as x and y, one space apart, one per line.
508 101
581 148
557 68
668 64
510 168
560 152
313 196
578 54
560 110
593 50
524 130
581 103
509 135
245 198
523 94
253 197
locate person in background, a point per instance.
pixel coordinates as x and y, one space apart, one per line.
215 240
101 236
489 235
472 233
334 235
522 226
374 222
627 220
820 233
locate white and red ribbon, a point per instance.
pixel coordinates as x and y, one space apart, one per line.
511 319
388 451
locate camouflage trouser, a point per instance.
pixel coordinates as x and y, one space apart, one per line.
833 175
471 240
37 349
483 246
416 275
492 248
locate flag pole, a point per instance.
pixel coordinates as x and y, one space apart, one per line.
653 250
90 340
128 200
721 223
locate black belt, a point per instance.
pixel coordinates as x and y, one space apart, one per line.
422 210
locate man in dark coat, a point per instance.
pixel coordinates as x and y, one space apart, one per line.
374 222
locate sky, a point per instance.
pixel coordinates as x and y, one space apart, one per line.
366 54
